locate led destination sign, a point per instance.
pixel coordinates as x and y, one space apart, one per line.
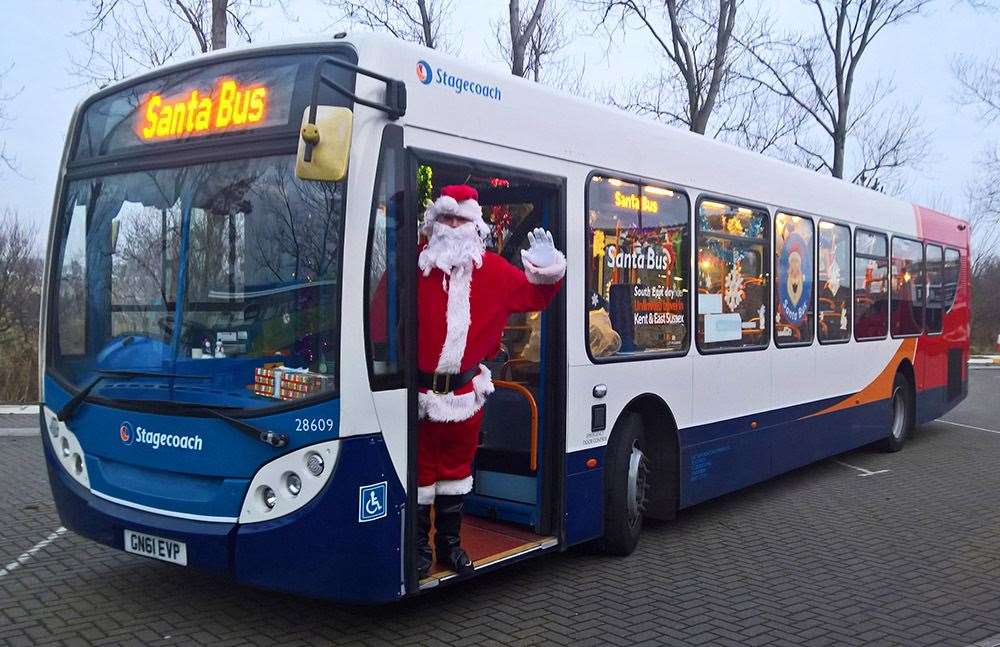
199 112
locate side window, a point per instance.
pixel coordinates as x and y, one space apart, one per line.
637 292
952 265
833 289
382 278
871 285
934 312
733 279
907 299
793 280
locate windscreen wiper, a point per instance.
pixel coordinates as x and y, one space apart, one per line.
263 435
67 410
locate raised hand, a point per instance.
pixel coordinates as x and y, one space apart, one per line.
541 250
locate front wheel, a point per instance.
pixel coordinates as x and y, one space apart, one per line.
901 411
625 483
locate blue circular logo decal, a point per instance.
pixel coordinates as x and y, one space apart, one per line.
424 72
125 433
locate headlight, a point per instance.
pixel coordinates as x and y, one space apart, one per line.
293 483
314 464
289 482
268 496
66 448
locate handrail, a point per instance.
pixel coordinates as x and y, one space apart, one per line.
529 396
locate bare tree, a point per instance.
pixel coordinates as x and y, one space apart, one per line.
695 36
519 38
127 36
6 159
20 276
415 21
979 84
818 75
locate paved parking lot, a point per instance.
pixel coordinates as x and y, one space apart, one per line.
839 553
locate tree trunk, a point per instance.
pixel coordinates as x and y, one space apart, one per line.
219 23
425 23
517 42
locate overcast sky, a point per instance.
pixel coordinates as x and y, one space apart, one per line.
37 38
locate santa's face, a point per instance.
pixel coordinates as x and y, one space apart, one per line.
795 278
452 246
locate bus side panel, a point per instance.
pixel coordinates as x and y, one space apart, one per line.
324 550
714 463
584 516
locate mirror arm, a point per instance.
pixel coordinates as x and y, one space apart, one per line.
395 95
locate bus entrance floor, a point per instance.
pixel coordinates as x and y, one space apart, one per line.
488 542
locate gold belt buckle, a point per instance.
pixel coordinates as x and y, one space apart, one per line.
447 383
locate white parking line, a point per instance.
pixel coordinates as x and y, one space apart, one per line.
958 424
863 471
28 554
17 432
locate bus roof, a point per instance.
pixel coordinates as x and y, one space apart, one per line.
453 97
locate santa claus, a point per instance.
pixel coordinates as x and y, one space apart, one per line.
464 295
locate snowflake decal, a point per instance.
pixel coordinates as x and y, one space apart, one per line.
733 292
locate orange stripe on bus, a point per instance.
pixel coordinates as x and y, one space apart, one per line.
881 387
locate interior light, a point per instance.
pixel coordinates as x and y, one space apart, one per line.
615 182
655 190
712 205
743 211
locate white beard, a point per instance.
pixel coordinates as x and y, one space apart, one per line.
451 248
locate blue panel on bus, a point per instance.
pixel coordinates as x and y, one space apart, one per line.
105 522
584 517
204 463
322 549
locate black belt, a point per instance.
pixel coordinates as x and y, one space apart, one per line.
447 382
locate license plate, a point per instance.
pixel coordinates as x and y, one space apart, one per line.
168 550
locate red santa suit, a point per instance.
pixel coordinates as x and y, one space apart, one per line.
462 315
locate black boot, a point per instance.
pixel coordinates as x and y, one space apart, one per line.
448 524
424 554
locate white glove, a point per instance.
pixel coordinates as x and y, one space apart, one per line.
541 251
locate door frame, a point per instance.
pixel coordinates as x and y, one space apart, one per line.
553 459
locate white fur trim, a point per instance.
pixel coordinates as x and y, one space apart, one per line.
425 494
460 486
458 316
546 275
466 209
448 407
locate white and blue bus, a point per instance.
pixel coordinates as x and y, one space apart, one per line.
228 329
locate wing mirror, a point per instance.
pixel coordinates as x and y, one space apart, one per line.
324 144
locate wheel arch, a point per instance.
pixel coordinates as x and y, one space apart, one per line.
663 451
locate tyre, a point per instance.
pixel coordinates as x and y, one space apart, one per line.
626 469
901 414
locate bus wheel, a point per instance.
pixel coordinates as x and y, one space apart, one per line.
625 483
901 407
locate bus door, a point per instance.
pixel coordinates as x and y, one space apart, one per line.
512 507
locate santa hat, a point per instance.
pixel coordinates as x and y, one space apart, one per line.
457 200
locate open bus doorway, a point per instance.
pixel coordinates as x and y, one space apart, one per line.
512 507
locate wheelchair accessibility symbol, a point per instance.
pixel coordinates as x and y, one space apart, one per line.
372 501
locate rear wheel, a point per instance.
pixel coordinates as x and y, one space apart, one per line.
626 470
901 411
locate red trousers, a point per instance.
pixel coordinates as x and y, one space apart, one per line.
444 456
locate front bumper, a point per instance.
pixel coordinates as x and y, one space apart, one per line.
321 550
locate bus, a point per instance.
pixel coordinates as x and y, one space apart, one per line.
228 327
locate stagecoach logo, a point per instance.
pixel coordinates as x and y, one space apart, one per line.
156 440
428 75
125 433
424 72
